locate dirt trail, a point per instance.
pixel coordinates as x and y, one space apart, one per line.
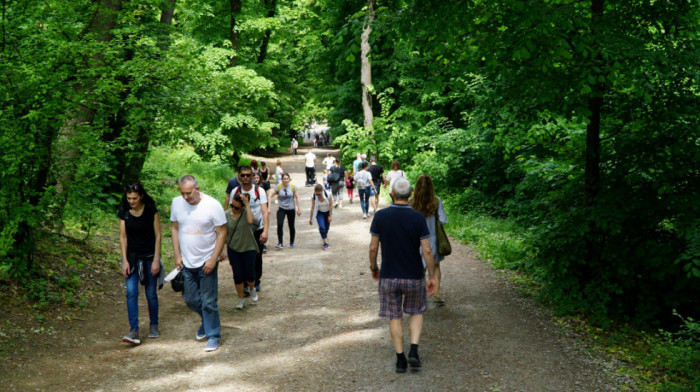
316 328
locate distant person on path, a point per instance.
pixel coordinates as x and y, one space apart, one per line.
259 207
377 172
264 175
322 211
402 232
295 146
337 181
425 200
350 184
198 233
288 207
278 173
310 168
254 165
393 174
241 246
356 164
364 184
140 239
328 161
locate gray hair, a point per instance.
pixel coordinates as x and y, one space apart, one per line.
401 189
189 178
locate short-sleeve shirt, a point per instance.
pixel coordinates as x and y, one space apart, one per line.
286 196
240 233
197 228
232 183
140 234
310 159
400 229
341 172
256 202
376 171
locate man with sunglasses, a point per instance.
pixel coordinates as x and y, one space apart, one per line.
258 205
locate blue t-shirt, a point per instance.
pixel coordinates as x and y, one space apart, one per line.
400 229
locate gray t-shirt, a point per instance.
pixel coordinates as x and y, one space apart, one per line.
286 197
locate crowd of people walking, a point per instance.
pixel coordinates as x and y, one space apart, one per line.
203 233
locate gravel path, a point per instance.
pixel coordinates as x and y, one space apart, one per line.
316 328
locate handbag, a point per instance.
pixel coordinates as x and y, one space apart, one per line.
178 282
443 244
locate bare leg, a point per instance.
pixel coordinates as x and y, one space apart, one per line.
438 277
396 329
415 327
239 290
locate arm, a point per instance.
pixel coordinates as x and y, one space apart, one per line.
227 200
311 212
430 263
123 243
296 202
266 222
210 264
155 265
248 212
330 208
373 252
174 231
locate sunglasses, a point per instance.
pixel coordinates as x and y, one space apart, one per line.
132 188
236 208
245 175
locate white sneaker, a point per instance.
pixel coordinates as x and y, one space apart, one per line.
254 295
364 216
241 303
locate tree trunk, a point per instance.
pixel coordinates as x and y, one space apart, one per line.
366 68
271 6
166 15
236 7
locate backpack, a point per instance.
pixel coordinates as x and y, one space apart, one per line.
255 187
279 188
325 195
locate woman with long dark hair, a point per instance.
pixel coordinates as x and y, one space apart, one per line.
140 238
426 201
242 247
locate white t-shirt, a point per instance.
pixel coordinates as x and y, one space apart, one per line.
310 159
363 176
256 203
197 228
393 175
329 162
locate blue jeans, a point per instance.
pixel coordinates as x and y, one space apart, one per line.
323 223
201 294
132 297
364 199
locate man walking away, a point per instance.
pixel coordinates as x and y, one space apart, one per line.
310 167
199 233
402 232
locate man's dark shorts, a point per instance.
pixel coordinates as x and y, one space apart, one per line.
377 184
395 294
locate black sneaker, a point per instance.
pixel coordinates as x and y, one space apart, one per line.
154 331
401 364
413 359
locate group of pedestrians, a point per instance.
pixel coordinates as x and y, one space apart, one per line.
201 229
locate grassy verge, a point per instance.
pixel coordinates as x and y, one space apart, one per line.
656 362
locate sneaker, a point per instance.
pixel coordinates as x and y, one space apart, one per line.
212 344
364 216
335 205
254 295
264 248
257 288
340 206
200 333
154 331
350 201
401 364
241 304
132 337
326 246
291 245
413 359
279 245
246 291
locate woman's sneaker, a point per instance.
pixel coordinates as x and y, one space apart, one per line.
326 246
291 245
132 338
241 304
254 295
279 245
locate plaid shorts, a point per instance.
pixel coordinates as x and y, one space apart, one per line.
394 292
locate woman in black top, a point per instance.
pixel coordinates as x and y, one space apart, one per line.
140 240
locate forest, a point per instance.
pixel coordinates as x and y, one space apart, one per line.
575 121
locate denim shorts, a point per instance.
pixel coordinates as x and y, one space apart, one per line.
398 294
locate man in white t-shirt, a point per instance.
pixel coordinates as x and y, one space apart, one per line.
198 233
310 167
329 161
261 218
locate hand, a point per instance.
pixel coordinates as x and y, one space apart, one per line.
299 212
310 223
155 267
209 265
125 268
178 262
263 237
375 275
430 286
330 219
245 198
